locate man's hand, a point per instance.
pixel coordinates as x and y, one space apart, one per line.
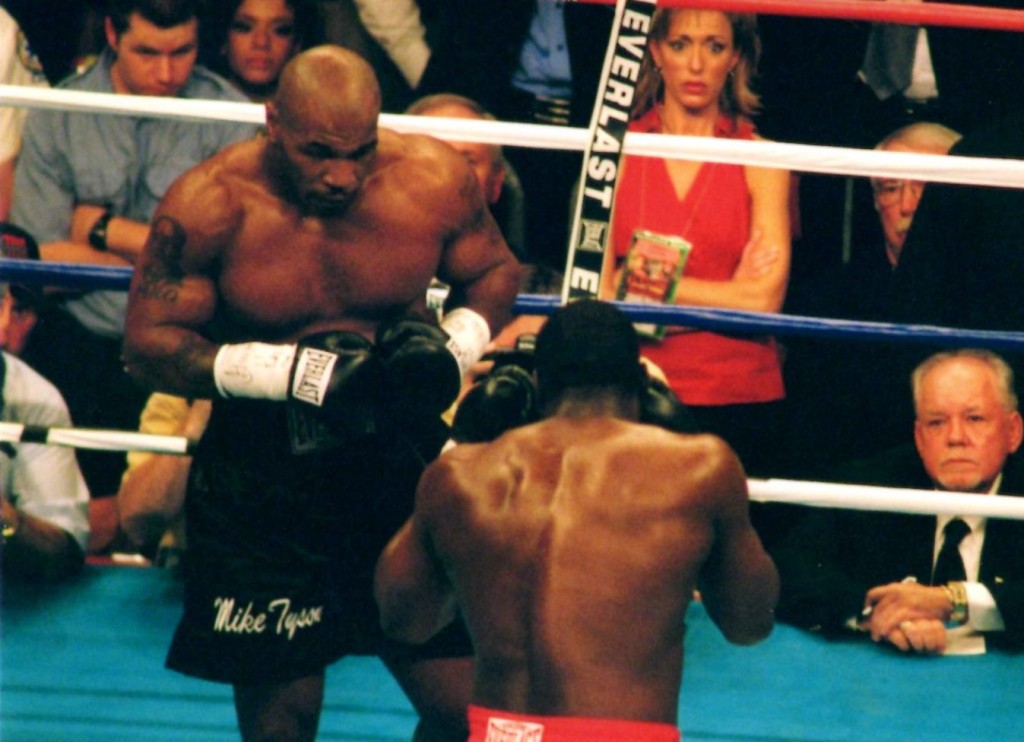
905 614
923 635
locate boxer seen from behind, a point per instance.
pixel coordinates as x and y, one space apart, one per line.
574 545
286 278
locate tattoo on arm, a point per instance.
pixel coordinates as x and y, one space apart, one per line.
163 275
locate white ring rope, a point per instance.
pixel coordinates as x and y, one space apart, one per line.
803 158
788 491
799 157
96 440
79 101
892 499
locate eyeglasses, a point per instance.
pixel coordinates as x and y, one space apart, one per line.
889 192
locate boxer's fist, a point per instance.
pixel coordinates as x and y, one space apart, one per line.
334 378
504 399
337 374
660 406
423 376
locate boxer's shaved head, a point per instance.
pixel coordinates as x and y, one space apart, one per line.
325 83
322 128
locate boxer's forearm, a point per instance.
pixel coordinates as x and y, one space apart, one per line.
172 360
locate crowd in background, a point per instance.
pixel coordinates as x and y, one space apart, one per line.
797 243
248 275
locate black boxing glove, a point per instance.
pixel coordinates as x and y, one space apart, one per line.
660 406
334 374
521 354
422 375
338 373
504 399
424 364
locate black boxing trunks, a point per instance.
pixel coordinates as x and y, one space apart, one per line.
282 548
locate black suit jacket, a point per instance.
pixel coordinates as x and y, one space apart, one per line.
870 408
812 93
972 68
831 559
963 261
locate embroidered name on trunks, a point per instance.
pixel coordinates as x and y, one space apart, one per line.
507 730
312 374
279 617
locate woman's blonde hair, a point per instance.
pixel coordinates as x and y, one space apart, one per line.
738 97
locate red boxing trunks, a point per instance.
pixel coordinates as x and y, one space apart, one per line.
490 725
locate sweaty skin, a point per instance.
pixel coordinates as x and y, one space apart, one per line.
575 546
328 223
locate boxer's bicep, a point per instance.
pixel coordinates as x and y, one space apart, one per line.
164 281
478 264
173 297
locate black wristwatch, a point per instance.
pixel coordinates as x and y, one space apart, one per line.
98 233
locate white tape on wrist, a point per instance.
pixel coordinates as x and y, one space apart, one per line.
253 370
468 335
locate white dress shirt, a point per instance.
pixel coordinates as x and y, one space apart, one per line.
43 481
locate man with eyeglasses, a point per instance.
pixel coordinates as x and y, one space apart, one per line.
926 584
897 200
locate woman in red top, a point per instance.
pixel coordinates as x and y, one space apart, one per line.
696 81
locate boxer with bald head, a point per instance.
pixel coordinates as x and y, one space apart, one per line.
573 547
286 279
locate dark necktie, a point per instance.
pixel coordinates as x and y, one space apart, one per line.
949 567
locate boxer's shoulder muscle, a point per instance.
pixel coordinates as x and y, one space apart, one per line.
208 201
438 175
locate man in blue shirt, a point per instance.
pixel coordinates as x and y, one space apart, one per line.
86 186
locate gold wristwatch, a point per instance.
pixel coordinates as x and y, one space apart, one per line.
957 594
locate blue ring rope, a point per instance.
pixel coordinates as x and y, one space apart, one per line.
65 275
77 276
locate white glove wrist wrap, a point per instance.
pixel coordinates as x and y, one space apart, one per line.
253 370
468 335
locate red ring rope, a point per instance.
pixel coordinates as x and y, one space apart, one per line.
909 13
